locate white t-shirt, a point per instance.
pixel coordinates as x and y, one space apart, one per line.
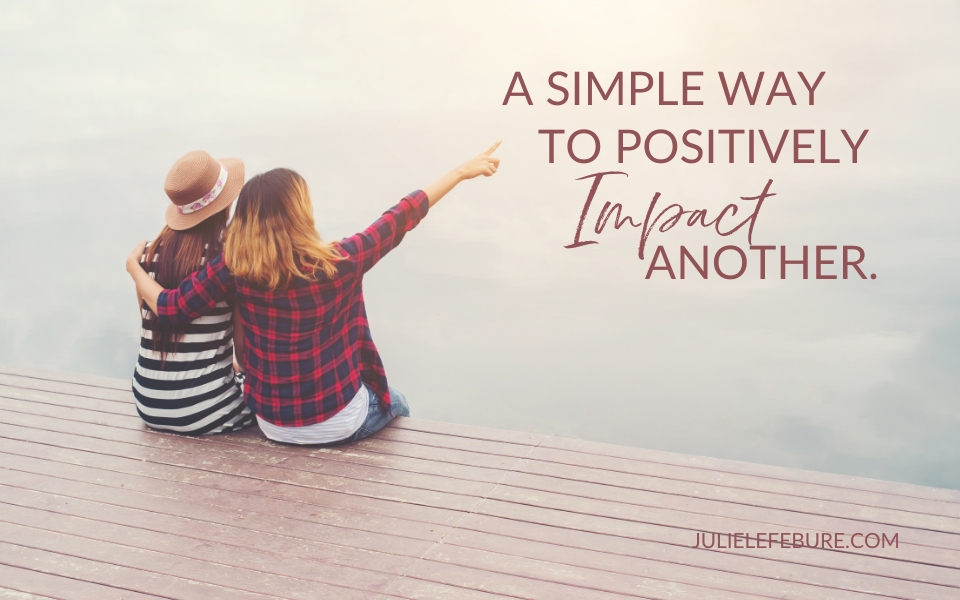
339 427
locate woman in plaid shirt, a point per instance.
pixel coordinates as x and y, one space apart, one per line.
313 373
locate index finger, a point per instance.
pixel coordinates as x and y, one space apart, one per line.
492 148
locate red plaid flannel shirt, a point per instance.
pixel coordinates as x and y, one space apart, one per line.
307 348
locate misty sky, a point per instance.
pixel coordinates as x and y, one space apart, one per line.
481 315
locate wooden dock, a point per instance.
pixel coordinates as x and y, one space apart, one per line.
95 506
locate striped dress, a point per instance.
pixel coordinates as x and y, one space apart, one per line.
195 391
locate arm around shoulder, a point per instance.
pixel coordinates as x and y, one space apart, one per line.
196 296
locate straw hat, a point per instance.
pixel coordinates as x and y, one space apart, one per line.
200 186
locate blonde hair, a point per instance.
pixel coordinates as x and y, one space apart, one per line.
272 239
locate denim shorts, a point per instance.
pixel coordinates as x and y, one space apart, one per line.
378 416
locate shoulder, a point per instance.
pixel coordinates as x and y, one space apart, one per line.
217 265
217 269
340 249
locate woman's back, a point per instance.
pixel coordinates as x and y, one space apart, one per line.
303 345
184 379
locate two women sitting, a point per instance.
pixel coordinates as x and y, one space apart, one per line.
261 318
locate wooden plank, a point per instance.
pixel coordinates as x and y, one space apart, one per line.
510 438
507 585
450 455
112 575
249 577
602 564
423 425
392 455
8 594
823 508
245 485
914 544
417 589
43 398
856 563
745 468
304 516
33 585
468 431
77 378
654 476
376 474
806 516
46 403
588 581
251 436
251 443
941 508
453 442
122 397
516 515
303 561
257 474
256 454
65 413
60 509
125 409
379 483
675 487
575 445
248 518
717 562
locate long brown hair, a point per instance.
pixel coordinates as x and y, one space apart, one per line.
174 255
273 239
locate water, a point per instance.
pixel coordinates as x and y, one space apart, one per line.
482 316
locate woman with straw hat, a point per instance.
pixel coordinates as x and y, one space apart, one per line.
313 373
185 380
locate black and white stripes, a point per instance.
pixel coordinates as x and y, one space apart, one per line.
194 390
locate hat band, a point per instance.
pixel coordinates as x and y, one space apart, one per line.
191 207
